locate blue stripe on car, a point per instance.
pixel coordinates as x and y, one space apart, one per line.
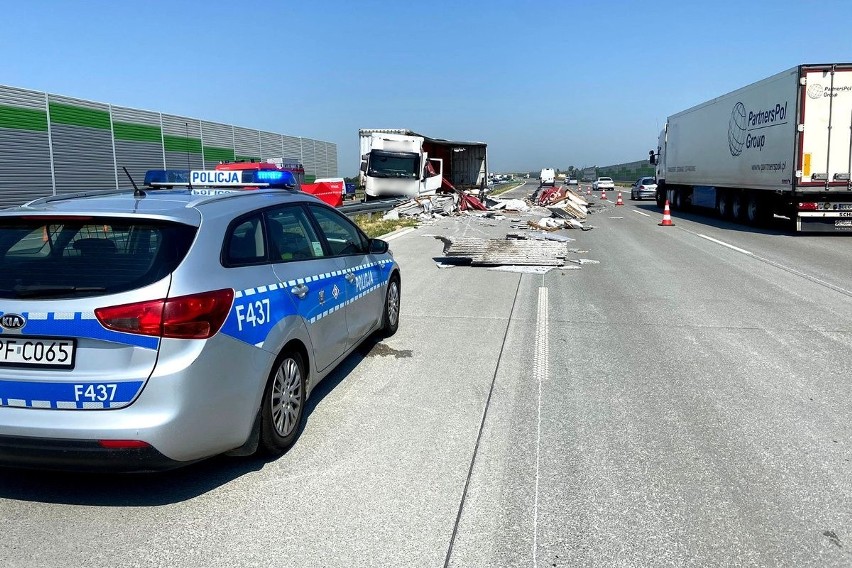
80 395
276 303
82 325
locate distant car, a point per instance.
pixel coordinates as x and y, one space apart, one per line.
573 181
644 187
603 183
149 329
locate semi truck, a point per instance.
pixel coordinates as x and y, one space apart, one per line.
780 148
402 163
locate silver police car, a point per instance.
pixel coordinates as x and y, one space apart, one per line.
148 329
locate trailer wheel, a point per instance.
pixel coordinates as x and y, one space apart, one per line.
739 204
756 210
723 204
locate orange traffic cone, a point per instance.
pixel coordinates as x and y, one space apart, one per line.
619 201
667 216
603 194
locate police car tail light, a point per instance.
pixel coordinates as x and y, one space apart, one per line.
807 206
198 316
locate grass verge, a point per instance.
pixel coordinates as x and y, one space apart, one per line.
376 226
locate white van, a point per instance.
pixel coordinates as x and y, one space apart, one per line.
547 177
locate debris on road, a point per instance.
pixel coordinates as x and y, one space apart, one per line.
505 251
529 269
540 236
560 208
582 261
534 243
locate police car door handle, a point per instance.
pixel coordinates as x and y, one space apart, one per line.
301 291
350 277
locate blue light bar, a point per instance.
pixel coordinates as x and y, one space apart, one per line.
165 177
270 176
280 179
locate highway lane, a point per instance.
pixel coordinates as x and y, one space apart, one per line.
680 403
693 412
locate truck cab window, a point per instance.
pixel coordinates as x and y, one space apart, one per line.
393 164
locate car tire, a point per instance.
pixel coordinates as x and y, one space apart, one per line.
632 196
283 406
390 317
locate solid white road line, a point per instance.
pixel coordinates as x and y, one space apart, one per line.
724 244
541 370
784 267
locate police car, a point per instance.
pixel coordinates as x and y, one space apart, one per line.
151 328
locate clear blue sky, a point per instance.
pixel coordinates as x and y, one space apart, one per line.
544 84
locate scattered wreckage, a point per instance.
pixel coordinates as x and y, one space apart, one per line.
537 242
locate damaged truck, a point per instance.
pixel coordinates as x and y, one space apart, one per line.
402 163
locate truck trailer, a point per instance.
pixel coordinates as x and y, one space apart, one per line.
402 163
778 148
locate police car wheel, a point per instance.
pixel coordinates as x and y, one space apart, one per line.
390 319
283 406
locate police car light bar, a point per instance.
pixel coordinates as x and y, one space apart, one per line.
220 178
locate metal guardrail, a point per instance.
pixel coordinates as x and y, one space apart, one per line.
370 207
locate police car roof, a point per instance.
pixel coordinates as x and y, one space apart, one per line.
178 204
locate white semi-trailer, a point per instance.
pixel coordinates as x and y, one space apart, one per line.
781 146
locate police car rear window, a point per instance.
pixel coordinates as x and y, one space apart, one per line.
73 257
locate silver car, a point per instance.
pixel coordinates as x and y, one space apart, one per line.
149 329
644 188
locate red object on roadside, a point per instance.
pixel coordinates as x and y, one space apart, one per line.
331 193
472 202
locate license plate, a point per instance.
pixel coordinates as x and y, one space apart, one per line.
42 352
843 222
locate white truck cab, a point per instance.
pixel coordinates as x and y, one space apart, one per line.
396 165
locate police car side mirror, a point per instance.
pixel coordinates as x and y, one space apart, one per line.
378 246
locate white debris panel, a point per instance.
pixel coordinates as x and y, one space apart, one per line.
484 252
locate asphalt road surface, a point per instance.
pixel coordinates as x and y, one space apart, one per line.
682 402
